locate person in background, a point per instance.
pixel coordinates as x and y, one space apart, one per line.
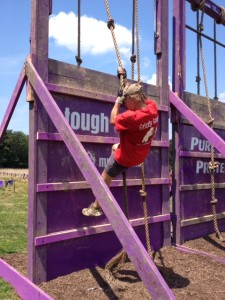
136 126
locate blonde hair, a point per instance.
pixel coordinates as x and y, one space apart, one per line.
139 97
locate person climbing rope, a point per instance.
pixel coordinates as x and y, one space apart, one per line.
137 127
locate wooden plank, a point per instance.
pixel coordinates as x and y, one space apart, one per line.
144 265
66 186
23 286
200 186
85 231
162 81
48 136
215 258
203 219
83 80
13 102
37 221
179 84
60 89
199 105
199 124
211 9
198 154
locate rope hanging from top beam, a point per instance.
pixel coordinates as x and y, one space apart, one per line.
78 57
213 165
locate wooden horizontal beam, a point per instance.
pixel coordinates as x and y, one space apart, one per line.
59 89
200 186
203 219
48 136
77 185
216 258
199 154
211 9
85 231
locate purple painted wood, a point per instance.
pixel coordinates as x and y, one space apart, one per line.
179 47
47 136
198 154
65 186
162 81
211 9
215 258
82 138
86 231
12 104
23 286
200 125
178 79
149 273
37 203
89 94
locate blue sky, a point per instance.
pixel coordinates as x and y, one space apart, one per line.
97 50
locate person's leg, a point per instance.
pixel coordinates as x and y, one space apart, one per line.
105 176
107 180
111 170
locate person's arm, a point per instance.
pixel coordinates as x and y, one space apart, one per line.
115 111
116 108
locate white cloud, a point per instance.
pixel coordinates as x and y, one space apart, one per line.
152 80
222 97
96 38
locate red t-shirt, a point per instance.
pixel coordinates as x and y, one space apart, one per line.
137 129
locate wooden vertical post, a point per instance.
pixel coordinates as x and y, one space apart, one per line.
38 121
161 49
179 83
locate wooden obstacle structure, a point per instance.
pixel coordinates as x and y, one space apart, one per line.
70 140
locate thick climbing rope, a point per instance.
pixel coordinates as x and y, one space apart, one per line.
198 78
137 41
215 63
213 165
111 26
117 261
142 191
143 195
78 58
133 57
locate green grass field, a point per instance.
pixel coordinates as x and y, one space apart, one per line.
13 227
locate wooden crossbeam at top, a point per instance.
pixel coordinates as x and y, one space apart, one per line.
211 9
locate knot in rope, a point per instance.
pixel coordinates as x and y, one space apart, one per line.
213 165
79 60
198 6
210 122
214 201
133 58
143 193
198 78
222 18
111 24
201 27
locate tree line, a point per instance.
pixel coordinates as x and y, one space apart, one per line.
14 150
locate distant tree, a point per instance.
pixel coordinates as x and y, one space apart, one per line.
14 150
